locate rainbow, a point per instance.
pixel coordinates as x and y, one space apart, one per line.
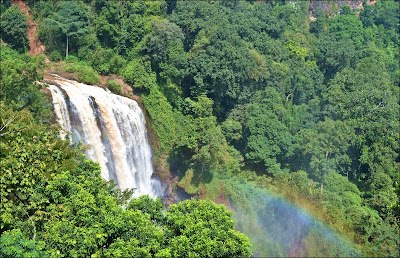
278 228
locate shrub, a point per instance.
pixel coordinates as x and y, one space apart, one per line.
87 75
117 64
106 61
138 75
114 87
55 56
71 59
71 68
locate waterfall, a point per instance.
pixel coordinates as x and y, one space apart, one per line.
114 128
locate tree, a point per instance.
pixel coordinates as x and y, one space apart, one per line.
14 243
335 55
160 42
138 74
324 149
70 19
133 30
356 98
305 82
347 27
4 6
175 66
203 137
381 195
108 24
192 17
219 80
366 15
346 10
387 14
267 138
18 87
204 229
232 130
14 29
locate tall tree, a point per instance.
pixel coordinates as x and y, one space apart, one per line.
18 89
324 148
70 19
267 138
14 29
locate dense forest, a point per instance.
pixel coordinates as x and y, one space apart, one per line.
297 99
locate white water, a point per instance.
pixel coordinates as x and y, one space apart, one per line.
113 127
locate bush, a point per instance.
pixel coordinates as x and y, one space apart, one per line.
71 59
87 75
100 60
55 56
138 75
117 64
106 61
162 118
15 243
114 87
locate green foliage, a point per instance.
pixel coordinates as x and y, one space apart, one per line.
15 244
70 20
107 61
114 86
18 87
174 67
139 75
107 29
86 74
14 29
347 27
267 138
159 41
55 56
149 206
163 118
25 168
334 55
5 5
203 138
324 148
383 13
232 130
204 229
346 10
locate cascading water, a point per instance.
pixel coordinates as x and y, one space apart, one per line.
113 127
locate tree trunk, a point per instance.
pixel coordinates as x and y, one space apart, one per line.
323 176
66 51
322 188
